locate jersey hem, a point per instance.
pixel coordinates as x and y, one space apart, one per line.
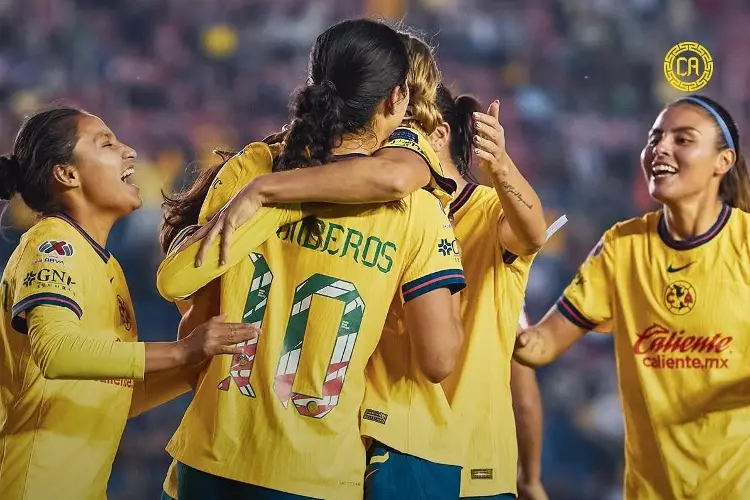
418 453
215 468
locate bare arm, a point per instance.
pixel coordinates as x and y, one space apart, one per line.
161 387
436 333
522 230
389 174
542 343
527 408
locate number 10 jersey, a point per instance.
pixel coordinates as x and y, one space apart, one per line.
284 414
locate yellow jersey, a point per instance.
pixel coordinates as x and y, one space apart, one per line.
680 348
58 438
468 419
292 404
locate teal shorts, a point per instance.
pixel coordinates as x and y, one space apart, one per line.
392 475
193 484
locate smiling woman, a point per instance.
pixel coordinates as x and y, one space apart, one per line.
69 355
670 285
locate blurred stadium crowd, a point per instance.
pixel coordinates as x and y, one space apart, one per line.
580 82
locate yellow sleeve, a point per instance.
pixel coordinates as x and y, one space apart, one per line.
61 351
586 301
183 235
178 278
436 260
158 388
253 161
412 139
50 272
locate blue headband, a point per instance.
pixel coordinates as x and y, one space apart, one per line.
717 117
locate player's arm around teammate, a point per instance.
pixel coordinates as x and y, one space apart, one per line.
390 173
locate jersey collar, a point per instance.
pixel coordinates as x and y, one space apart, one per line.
101 251
694 241
462 198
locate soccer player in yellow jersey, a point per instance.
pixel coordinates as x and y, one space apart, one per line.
433 408
69 356
391 173
469 421
672 284
281 421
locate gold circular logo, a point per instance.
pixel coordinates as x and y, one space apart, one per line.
312 406
680 297
688 66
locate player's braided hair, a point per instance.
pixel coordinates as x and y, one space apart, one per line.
355 66
423 80
317 125
734 188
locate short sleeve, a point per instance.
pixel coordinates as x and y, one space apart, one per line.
436 259
586 301
412 139
177 277
49 272
254 160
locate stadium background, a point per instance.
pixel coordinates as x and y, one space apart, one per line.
580 82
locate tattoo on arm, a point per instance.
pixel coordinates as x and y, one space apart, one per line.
515 192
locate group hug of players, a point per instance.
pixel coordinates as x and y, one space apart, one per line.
348 328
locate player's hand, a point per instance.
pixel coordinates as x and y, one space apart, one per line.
522 339
216 337
489 143
239 210
522 354
531 490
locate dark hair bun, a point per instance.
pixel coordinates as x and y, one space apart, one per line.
10 177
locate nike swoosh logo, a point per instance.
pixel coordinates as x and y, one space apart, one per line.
671 269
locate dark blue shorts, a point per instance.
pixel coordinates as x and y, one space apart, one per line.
392 475
193 484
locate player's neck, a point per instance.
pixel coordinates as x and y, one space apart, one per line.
356 145
96 225
690 219
451 172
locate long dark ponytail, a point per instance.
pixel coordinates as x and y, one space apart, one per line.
354 66
458 114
